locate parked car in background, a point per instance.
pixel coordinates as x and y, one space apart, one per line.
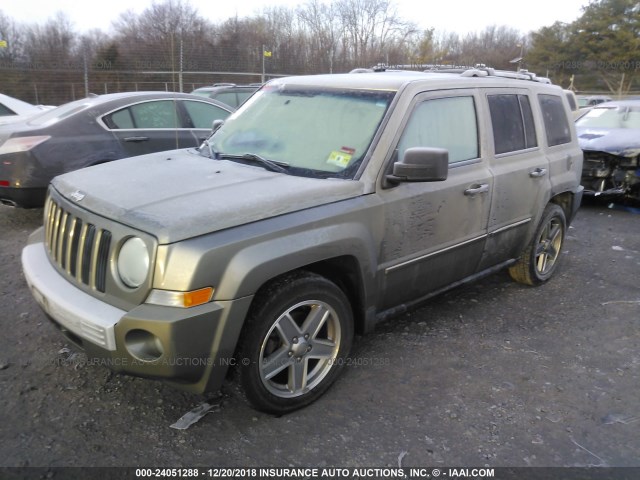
585 101
609 135
13 110
97 130
229 93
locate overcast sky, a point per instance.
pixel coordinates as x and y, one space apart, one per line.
460 16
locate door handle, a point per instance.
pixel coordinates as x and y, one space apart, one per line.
538 172
136 139
476 189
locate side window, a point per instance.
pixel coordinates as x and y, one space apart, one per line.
120 119
203 114
243 95
556 123
572 101
4 110
226 97
443 123
161 114
530 139
512 120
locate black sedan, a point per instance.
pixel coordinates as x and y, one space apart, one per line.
97 130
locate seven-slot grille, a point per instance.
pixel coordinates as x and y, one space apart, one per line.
79 248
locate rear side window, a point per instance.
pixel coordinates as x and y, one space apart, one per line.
122 119
4 110
572 101
512 120
149 115
203 114
443 123
556 123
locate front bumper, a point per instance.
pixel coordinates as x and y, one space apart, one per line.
190 348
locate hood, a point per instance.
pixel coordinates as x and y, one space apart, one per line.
180 194
624 142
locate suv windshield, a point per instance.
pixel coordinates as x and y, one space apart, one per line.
314 131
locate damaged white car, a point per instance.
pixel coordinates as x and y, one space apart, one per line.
609 135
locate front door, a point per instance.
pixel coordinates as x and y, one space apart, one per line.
436 231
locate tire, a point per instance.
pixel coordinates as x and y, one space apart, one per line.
539 261
294 342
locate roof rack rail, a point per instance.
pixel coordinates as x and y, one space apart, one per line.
380 67
481 70
447 68
522 74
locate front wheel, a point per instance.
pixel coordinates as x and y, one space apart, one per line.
539 261
294 342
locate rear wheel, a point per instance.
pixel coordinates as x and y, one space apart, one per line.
294 342
539 261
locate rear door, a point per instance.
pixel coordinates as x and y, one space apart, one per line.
435 231
563 153
520 170
151 126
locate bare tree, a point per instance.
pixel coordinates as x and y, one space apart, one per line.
13 38
51 43
324 29
494 46
167 36
446 48
49 48
169 45
281 35
370 26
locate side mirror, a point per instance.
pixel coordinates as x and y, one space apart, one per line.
216 125
421 164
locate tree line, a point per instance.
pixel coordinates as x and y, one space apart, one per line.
171 46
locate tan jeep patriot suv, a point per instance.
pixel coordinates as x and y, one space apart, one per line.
324 204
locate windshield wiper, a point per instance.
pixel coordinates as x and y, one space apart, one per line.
271 165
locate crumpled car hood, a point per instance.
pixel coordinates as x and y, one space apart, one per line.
624 142
180 194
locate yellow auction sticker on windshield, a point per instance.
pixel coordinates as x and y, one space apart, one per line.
341 158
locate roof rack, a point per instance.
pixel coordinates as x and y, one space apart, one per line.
479 70
380 67
482 70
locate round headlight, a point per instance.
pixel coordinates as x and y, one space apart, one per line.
133 262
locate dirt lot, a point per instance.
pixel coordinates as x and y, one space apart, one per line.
492 374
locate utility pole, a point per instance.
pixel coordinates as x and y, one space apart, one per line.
264 54
181 57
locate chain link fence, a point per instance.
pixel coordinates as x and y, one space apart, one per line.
55 84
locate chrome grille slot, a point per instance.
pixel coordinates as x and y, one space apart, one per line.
80 249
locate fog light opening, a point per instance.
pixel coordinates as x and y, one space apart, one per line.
143 345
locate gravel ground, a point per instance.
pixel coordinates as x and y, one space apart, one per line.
491 374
